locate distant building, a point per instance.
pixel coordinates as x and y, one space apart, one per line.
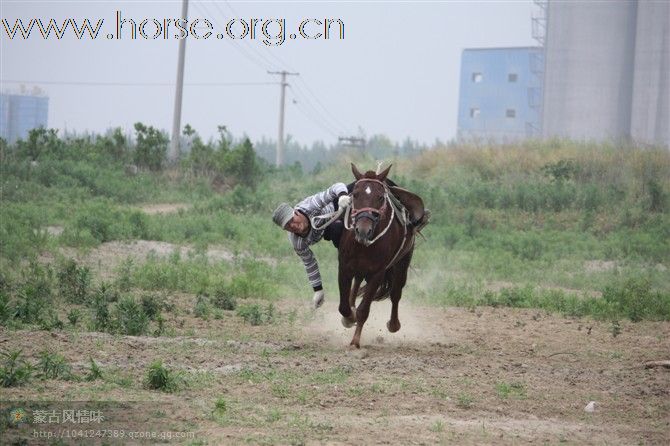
500 94
20 113
607 70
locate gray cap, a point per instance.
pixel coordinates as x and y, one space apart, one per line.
283 214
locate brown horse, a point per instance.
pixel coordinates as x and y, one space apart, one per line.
376 248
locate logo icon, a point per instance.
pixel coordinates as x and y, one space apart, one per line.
18 416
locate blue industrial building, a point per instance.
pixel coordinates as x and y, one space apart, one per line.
20 113
500 94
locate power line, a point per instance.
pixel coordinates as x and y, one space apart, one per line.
315 114
310 92
329 121
135 84
254 60
324 108
244 41
267 49
312 117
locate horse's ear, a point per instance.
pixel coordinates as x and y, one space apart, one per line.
382 176
356 173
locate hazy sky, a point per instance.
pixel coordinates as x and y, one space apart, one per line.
395 72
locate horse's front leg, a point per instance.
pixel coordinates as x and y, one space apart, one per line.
344 278
363 309
354 293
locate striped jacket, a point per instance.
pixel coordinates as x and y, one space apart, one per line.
318 204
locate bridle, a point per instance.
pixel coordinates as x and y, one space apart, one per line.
373 214
368 212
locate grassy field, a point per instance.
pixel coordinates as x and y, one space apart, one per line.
541 284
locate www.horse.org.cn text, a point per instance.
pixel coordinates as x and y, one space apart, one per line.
271 32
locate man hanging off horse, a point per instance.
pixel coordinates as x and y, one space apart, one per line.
298 221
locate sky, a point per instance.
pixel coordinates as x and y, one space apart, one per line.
395 71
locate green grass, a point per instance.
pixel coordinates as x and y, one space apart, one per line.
530 217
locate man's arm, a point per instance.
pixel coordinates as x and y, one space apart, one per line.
308 259
316 202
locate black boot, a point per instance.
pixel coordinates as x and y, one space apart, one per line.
419 224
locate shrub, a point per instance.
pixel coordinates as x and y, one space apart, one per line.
53 366
100 318
251 314
14 371
130 318
201 308
160 378
254 315
32 299
5 309
94 372
51 322
636 300
224 299
150 148
73 316
151 306
74 282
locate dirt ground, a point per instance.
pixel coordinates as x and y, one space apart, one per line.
450 375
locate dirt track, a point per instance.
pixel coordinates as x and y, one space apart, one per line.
449 376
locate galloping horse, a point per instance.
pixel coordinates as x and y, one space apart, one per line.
376 247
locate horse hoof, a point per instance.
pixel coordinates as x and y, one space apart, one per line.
348 323
393 327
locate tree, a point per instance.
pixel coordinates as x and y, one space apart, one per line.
151 147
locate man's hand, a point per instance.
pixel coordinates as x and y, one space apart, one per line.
319 297
343 201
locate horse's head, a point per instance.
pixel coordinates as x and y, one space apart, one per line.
369 203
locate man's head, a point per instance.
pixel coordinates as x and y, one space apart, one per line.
290 219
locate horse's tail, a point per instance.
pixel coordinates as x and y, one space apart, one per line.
384 290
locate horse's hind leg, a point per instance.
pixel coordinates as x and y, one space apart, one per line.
363 309
399 280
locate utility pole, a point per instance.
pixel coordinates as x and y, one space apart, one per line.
280 138
173 155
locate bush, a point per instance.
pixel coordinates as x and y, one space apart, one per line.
74 282
224 299
73 316
53 366
14 371
636 300
32 299
100 318
251 314
151 147
254 315
160 378
151 306
201 308
130 318
5 309
95 372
